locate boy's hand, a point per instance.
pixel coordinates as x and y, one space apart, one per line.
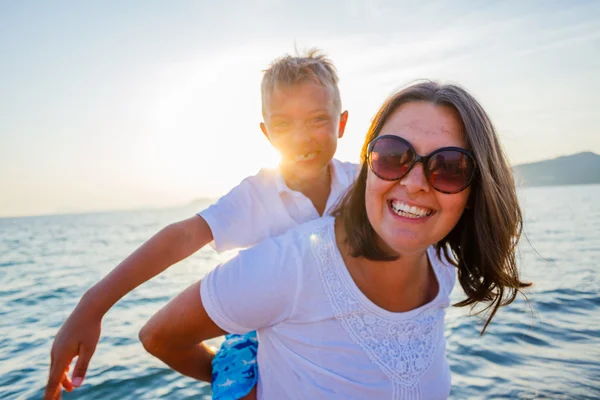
78 337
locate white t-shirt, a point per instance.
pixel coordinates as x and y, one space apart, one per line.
320 336
262 206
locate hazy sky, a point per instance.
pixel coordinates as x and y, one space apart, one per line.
124 104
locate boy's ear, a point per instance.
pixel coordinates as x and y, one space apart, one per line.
343 120
263 128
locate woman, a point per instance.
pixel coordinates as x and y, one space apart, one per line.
352 306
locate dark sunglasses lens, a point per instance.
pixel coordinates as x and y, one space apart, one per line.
391 158
450 171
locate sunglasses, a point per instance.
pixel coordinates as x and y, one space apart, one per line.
448 170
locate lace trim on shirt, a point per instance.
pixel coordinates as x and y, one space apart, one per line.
403 349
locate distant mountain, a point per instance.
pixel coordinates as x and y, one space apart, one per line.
576 169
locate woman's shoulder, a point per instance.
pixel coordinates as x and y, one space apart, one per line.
296 243
304 234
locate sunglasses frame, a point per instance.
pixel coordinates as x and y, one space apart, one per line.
422 159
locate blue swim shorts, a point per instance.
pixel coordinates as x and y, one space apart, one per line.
234 367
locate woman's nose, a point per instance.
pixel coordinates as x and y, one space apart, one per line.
415 180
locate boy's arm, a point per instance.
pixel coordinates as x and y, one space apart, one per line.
169 246
80 333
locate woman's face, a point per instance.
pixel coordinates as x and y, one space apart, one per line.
408 215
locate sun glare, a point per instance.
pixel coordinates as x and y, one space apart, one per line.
203 134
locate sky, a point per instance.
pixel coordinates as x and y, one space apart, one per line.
120 105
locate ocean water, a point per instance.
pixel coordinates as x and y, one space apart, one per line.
545 348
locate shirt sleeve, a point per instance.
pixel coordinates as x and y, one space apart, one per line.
235 219
256 289
352 170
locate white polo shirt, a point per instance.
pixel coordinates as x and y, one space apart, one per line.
262 206
320 336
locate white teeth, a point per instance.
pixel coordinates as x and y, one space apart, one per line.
306 156
405 210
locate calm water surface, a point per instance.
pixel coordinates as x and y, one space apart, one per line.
548 347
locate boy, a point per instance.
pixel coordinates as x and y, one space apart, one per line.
302 116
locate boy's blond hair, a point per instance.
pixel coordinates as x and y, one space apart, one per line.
313 66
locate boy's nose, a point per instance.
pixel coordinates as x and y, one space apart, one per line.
300 135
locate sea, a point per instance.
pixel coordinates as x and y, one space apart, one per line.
545 346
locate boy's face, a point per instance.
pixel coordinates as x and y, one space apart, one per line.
302 124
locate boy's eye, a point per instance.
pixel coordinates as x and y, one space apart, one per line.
317 120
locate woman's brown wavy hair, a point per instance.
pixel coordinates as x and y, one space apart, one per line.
483 243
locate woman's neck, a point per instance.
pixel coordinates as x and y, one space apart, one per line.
398 286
